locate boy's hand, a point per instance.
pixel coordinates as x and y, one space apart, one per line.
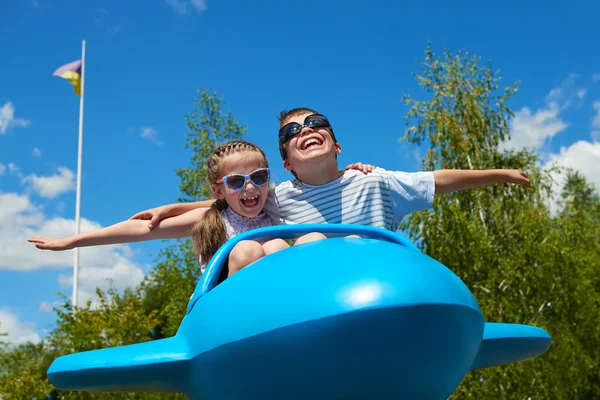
364 168
516 176
45 243
153 214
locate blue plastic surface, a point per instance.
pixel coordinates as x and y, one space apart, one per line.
508 343
339 318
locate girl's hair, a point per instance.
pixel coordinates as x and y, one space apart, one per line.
209 233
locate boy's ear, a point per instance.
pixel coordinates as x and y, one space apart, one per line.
338 148
218 191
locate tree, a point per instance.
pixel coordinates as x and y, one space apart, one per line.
168 287
115 320
23 372
3 335
579 223
503 243
209 125
151 311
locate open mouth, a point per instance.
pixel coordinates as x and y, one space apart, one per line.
250 202
310 143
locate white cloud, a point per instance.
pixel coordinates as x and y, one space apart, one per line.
8 120
181 6
60 207
565 94
2 169
151 134
54 185
582 156
596 121
101 15
113 30
121 274
104 20
46 306
14 170
36 152
18 332
532 130
199 5
535 129
16 209
20 218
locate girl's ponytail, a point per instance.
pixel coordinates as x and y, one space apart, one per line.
209 233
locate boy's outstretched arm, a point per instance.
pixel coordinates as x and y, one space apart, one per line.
157 214
124 232
452 180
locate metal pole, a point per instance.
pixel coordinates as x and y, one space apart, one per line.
78 195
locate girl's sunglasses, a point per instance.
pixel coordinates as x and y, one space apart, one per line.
237 181
288 131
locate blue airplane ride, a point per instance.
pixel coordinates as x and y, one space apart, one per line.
343 318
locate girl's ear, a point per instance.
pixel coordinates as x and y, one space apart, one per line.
218 191
287 165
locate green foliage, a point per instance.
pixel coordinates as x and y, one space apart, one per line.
169 285
522 264
152 311
114 320
209 126
23 372
2 335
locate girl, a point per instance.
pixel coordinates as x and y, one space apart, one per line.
239 175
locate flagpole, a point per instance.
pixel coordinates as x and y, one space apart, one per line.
78 195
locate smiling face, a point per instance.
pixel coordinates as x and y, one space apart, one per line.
250 199
310 145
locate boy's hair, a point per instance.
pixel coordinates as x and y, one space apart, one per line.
209 233
285 116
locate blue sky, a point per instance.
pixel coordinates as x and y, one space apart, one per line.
145 61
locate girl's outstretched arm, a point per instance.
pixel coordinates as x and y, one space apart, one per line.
125 232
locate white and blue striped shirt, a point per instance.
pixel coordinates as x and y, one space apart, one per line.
381 199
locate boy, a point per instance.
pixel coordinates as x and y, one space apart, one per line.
321 193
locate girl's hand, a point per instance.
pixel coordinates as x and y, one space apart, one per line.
364 168
45 243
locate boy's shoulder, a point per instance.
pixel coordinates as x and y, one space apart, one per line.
353 176
397 181
286 186
384 174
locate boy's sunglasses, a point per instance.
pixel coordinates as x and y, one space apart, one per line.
288 131
238 181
